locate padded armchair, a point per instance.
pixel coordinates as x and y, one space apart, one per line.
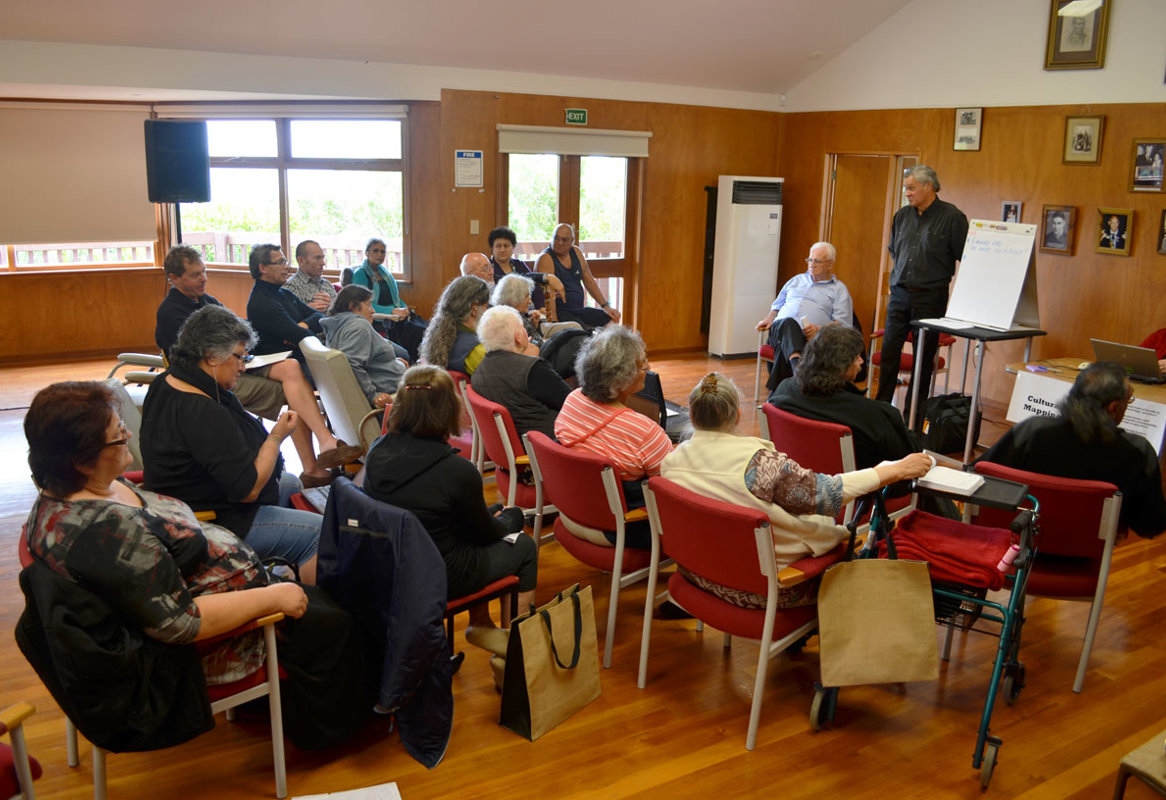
825 447
17 769
128 410
469 443
584 488
498 438
907 360
731 546
1079 526
350 415
223 697
764 354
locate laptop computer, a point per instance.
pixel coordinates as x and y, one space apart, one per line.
1140 362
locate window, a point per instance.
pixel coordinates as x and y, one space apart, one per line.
72 255
589 192
338 181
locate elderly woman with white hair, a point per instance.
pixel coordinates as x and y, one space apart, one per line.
509 374
747 471
516 291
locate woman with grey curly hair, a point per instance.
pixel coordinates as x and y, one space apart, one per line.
451 341
595 417
200 445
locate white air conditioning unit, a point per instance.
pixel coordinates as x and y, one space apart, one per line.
744 261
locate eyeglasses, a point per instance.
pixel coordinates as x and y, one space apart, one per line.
281 263
819 261
244 357
125 434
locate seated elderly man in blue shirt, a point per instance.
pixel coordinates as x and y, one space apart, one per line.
806 303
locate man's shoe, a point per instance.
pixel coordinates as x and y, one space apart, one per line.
315 481
339 455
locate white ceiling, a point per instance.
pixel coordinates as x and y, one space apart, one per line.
765 46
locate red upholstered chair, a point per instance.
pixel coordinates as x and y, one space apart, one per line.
1079 525
764 353
825 447
503 589
584 487
907 360
498 439
732 546
468 441
224 697
17 769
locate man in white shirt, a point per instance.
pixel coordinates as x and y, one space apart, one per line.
806 303
309 284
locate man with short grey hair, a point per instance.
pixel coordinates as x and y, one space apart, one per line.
526 385
927 243
807 302
309 284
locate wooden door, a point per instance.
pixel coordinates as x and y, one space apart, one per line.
857 214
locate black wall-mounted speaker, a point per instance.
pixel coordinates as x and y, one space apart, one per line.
178 167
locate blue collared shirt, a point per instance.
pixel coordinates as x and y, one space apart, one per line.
820 302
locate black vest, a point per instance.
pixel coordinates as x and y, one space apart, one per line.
502 377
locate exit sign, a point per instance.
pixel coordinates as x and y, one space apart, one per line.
576 116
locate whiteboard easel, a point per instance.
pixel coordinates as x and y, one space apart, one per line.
996 283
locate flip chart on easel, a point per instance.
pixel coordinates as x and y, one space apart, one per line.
996 283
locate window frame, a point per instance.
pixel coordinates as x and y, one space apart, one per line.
283 161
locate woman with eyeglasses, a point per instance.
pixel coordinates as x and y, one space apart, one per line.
159 569
201 446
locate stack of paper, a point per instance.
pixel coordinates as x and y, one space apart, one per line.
951 481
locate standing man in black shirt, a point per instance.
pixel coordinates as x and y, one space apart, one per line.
927 243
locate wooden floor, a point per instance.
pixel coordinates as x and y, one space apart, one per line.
684 735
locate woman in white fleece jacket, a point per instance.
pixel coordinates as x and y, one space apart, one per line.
745 470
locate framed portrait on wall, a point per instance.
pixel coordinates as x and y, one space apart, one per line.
967 128
1115 229
1058 230
1162 234
1010 210
1083 140
1077 33
1146 165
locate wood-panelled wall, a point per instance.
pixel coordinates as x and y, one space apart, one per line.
58 314
1081 296
690 147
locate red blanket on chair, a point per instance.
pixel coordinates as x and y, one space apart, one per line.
956 552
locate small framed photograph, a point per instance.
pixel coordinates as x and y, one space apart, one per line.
1115 228
1083 140
1162 234
967 128
1146 166
1010 210
1077 33
1058 229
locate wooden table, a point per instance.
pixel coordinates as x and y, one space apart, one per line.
1065 369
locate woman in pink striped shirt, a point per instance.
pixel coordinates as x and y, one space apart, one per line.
595 417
